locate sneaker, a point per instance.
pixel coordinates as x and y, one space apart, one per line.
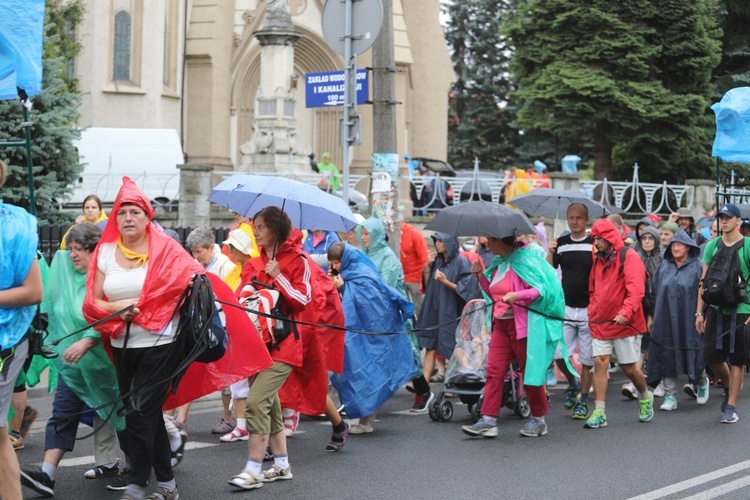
724 400
481 428
29 415
571 395
596 420
179 453
669 404
730 416
422 402
161 493
291 422
702 397
338 439
39 481
237 434
534 428
223 427
581 410
120 483
101 471
646 408
16 440
659 391
246 480
551 380
629 391
690 390
276 473
361 429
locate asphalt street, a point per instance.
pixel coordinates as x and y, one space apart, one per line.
681 454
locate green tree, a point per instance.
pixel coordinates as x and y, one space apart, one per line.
55 111
480 119
634 75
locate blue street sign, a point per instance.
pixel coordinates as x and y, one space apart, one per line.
327 89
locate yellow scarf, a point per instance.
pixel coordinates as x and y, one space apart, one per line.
140 258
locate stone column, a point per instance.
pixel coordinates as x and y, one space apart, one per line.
704 196
195 186
273 145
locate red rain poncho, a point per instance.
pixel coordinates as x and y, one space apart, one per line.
306 387
170 268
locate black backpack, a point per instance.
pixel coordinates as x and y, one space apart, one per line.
648 302
724 284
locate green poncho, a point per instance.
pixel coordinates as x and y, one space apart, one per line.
93 378
544 334
333 177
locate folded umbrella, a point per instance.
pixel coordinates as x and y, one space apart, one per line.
481 218
554 203
307 206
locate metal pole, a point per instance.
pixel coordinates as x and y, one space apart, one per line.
348 106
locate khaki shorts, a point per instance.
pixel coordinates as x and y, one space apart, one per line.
12 364
263 409
627 350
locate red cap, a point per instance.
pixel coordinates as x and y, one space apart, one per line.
654 217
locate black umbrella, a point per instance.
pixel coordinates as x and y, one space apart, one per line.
481 218
554 203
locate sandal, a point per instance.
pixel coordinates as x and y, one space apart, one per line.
101 471
179 454
223 427
338 439
246 480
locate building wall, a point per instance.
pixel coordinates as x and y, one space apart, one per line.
222 60
144 100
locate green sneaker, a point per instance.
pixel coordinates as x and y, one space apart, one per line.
581 410
646 408
596 420
571 394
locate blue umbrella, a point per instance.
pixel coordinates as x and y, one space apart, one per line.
308 207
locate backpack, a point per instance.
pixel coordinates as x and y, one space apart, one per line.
724 284
648 302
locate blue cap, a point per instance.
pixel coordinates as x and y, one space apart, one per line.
730 210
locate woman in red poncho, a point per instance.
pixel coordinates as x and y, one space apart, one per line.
135 263
281 267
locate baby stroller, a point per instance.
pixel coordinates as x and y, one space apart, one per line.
466 372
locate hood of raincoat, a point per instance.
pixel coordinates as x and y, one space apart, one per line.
606 230
375 227
653 232
681 236
648 222
380 253
451 244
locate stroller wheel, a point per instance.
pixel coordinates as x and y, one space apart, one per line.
476 411
522 408
433 411
445 410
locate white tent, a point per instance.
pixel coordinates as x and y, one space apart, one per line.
148 156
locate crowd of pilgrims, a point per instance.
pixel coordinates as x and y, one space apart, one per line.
367 322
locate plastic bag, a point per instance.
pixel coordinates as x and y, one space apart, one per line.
732 141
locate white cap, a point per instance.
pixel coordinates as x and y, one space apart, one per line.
240 240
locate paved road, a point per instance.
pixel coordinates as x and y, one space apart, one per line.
681 454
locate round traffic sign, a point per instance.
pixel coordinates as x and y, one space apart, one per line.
367 19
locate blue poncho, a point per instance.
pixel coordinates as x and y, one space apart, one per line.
18 242
375 366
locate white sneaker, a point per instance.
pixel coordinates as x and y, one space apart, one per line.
629 391
659 391
669 404
702 397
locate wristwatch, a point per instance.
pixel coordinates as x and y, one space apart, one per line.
698 314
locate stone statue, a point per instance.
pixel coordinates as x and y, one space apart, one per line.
277 15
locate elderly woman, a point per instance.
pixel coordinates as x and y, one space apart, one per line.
676 292
285 269
208 254
20 291
86 375
93 213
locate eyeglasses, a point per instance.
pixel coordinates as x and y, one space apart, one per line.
648 238
76 249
